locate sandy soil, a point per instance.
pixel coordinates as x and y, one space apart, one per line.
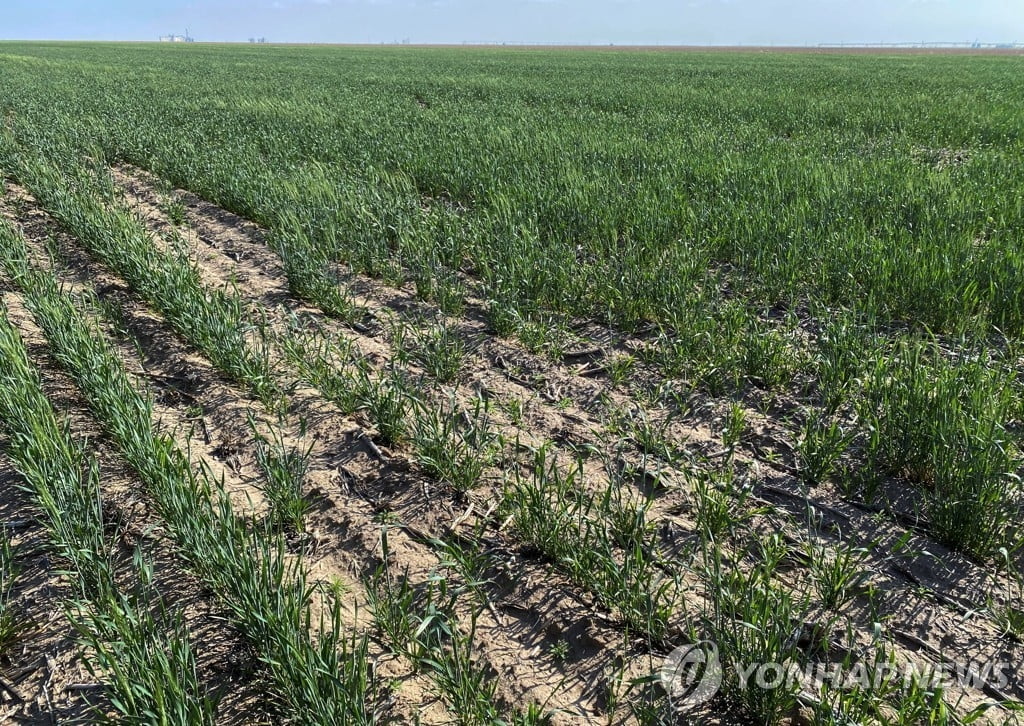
934 603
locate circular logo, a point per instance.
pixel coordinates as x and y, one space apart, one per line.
692 674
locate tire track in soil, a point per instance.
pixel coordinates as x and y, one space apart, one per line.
937 625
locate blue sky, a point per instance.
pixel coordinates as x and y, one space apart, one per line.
723 22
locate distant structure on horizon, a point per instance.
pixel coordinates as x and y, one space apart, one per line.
258 40
975 45
186 38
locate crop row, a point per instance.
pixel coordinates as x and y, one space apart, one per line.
881 404
138 645
442 447
261 587
707 291
587 536
193 503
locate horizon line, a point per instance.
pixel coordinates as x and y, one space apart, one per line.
595 45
